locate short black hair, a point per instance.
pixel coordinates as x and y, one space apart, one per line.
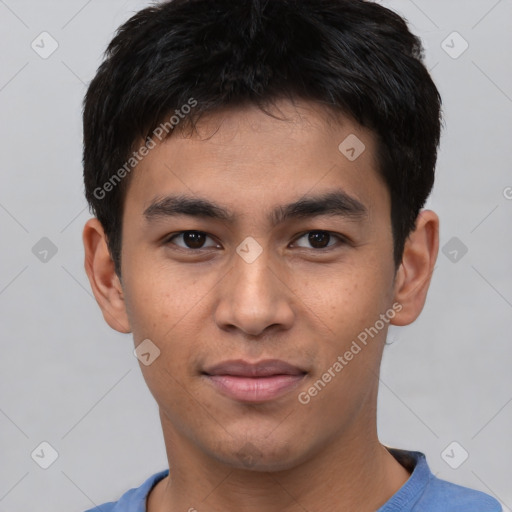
355 57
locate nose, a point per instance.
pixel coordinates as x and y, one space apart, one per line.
254 297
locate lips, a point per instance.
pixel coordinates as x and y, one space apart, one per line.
264 368
254 382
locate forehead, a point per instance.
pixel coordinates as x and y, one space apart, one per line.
243 157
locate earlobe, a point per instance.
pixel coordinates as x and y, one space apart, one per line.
105 283
415 271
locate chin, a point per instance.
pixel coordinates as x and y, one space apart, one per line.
260 455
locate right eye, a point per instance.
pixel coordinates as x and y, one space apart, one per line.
192 240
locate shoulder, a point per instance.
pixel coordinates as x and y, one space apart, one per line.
444 496
424 492
133 500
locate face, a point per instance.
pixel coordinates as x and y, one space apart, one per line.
237 274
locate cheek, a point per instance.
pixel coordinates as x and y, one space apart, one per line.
347 297
169 308
159 296
347 304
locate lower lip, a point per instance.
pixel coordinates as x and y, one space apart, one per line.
255 389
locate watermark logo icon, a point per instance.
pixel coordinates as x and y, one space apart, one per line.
44 45
44 455
454 249
249 454
454 455
454 45
249 250
146 352
44 250
352 147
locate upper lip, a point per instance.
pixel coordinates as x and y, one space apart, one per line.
265 368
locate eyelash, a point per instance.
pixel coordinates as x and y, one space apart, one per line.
342 240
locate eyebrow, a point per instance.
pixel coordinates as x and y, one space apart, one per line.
337 203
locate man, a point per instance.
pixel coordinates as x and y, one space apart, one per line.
257 171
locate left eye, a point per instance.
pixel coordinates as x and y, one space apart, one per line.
191 239
320 239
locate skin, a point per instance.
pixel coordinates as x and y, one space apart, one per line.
297 302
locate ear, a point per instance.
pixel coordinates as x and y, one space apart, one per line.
105 283
415 272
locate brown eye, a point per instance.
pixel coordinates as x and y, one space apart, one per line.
319 239
191 240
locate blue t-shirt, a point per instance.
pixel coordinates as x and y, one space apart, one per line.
423 492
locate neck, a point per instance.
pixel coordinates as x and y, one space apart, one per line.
354 472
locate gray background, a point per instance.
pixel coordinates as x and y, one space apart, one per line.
69 380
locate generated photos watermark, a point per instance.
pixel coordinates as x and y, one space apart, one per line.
355 348
137 156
